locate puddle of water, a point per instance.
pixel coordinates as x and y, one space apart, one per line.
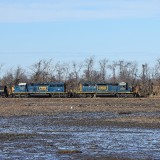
43 139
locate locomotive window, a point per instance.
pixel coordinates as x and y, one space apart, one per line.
59 85
42 84
123 87
52 85
56 85
90 85
22 87
85 84
114 84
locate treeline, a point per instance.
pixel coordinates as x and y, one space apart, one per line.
146 79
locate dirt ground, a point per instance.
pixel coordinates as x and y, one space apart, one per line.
79 117
128 112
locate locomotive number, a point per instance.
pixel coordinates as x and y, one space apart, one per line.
102 88
43 88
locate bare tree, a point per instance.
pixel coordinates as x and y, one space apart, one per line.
19 75
156 77
123 70
37 71
88 72
146 74
147 86
13 77
103 69
157 71
75 76
66 71
61 71
8 79
132 73
113 69
77 70
1 65
127 71
42 71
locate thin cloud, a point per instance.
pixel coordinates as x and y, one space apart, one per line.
62 10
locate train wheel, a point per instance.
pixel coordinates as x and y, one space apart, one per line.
117 95
52 95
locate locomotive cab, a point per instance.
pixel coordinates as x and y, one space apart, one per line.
20 90
21 87
125 87
125 90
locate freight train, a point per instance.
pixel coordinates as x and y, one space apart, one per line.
59 89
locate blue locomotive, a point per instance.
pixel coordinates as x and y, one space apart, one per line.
58 89
53 89
106 89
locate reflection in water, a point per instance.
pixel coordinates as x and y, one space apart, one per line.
38 137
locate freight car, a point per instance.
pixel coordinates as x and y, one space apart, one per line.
53 89
58 89
3 91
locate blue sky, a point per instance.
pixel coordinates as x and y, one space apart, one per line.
72 30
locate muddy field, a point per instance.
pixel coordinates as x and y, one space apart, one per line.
97 128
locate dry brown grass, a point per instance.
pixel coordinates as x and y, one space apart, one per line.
125 108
